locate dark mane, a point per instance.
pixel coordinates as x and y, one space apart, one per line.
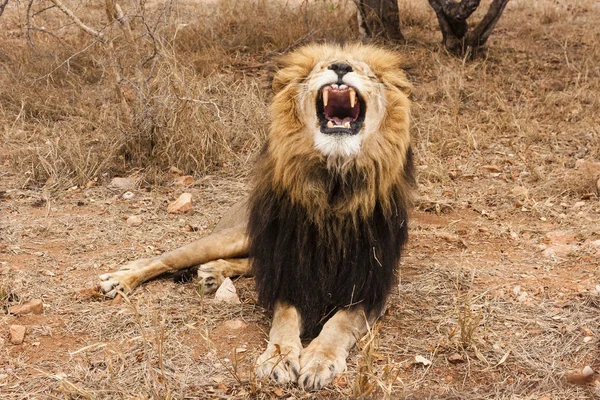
341 261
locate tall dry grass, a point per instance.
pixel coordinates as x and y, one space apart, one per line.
171 84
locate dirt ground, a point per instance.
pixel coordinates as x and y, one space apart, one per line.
499 293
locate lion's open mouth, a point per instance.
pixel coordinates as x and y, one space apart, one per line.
341 110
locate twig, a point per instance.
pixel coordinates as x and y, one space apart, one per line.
98 35
65 61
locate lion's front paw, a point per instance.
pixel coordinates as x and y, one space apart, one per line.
125 279
280 363
211 275
319 365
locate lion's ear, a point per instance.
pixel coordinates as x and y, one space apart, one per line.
295 66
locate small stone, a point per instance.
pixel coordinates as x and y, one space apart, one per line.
587 371
186 180
31 307
174 170
17 334
134 220
123 183
587 339
182 205
587 331
523 297
227 293
48 273
234 324
559 250
492 168
455 358
560 238
422 360
128 195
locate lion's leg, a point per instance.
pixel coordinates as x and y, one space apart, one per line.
228 243
281 359
213 273
325 357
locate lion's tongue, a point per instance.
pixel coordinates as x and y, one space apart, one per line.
338 108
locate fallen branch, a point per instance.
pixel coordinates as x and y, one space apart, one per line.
98 35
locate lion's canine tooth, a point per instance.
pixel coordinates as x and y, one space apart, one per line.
325 96
330 124
347 125
352 98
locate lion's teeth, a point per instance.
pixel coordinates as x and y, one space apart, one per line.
330 124
325 97
352 98
347 125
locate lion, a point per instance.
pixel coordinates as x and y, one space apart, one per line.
327 218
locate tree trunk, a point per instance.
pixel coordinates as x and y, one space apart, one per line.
452 17
379 18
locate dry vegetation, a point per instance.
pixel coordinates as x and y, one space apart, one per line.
497 141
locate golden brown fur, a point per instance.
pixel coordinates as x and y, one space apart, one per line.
292 152
318 199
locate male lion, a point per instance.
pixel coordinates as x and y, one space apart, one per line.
327 218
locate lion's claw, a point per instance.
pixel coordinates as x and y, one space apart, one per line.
319 367
211 275
279 363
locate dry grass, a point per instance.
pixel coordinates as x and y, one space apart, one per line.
497 141
184 91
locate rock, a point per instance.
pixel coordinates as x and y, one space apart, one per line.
422 360
124 183
234 324
134 220
492 168
31 307
455 358
182 205
17 334
560 237
524 297
186 180
174 170
128 195
560 250
227 293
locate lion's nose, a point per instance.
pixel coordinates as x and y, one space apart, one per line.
340 68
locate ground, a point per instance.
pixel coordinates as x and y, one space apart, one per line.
499 288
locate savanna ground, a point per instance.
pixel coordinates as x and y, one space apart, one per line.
499 285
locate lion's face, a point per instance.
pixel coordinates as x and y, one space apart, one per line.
341 95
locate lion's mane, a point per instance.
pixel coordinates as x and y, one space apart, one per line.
327 233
